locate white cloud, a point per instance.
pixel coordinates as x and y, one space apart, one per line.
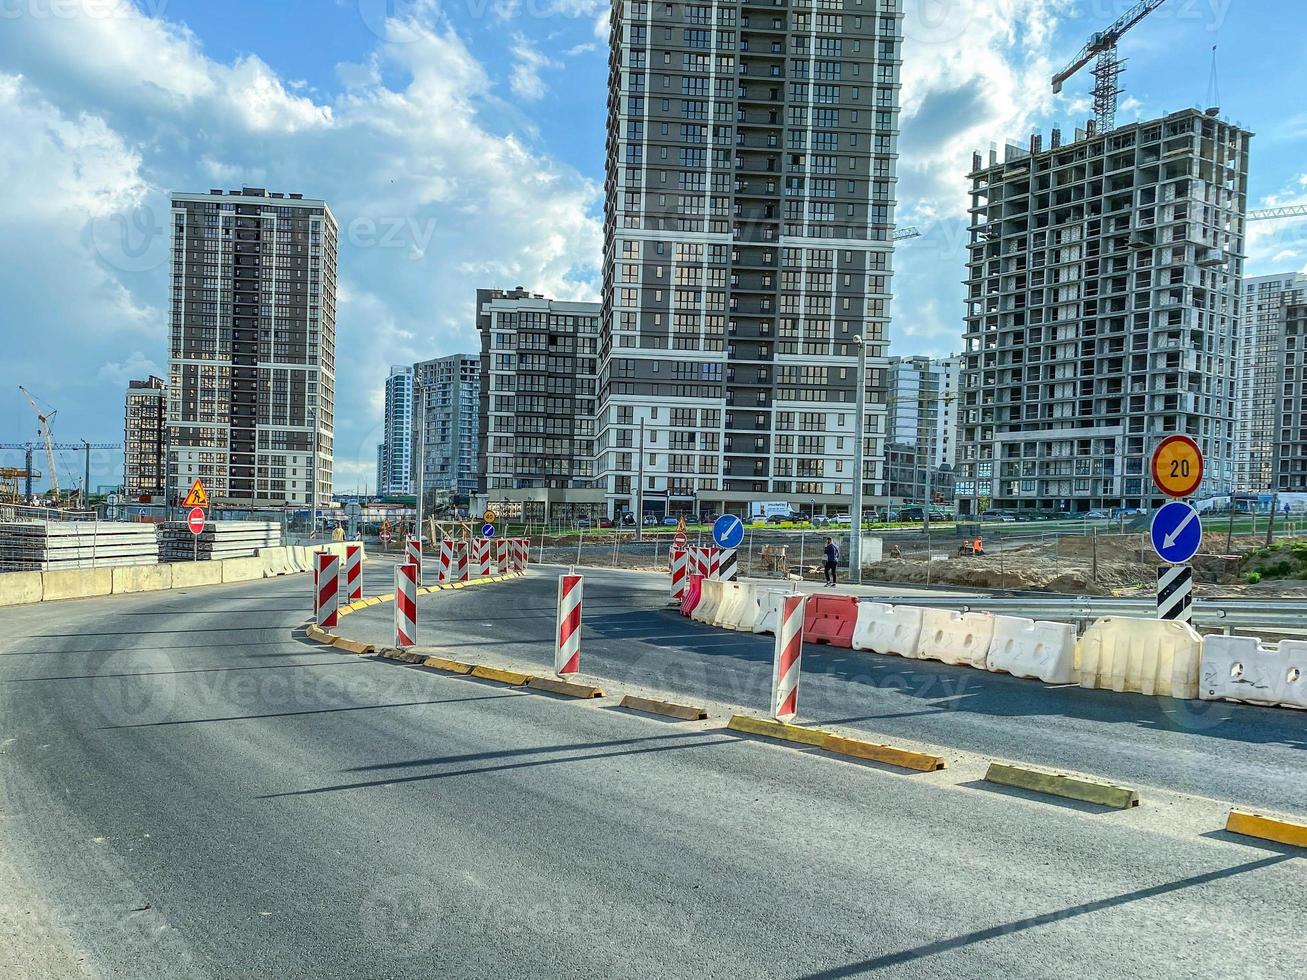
525 79
136 366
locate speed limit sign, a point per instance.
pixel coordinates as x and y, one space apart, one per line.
1177 466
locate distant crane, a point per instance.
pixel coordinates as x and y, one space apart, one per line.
911 231
1107 72
27 448
43 430
1270 214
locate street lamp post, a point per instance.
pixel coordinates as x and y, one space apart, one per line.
421 441
855 519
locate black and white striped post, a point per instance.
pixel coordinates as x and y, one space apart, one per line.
727 570
1175 593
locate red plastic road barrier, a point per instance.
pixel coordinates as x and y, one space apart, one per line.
326 594
406 605
693 593
830 619
353 572
567 652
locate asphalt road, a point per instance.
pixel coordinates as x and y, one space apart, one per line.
187 789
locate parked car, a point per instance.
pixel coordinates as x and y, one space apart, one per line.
840 519
605 522
1096 515
670 522
820 520
1001 516
584 522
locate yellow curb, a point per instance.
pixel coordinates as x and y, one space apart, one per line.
564 687
1058 784
503 676
316 632
373 600
449 666
353 646
683 711
1267 828
777 729
903 758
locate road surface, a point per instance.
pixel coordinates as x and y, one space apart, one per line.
188 788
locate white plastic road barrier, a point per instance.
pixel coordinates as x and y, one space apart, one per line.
353 572
1146 656
1239 668
731 607
406 605
955 638
746 611
1026 648
882 628
445 563
787 658
711 598
567 650
326 590
769 609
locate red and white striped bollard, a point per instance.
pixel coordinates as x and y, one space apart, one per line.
353 572
680 563
787 659
483 557
502 551
326 592
567 652
413 555
406 605
462 566
445 563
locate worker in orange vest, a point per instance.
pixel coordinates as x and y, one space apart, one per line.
978 546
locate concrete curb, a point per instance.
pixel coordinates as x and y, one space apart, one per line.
778 730
1267 828
684 712
1059 784
888 754
569 688
510 677
448 666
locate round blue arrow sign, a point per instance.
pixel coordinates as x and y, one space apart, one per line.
487 530
1177 532
728 531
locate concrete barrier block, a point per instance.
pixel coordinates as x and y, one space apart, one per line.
187 574
1240 668
1026 648
736 598
20 588
956 638
76 583
241 569
141 578
1145 656
883 628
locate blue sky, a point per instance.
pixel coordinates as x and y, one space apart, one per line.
460 144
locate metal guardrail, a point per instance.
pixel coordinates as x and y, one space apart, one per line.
1245 613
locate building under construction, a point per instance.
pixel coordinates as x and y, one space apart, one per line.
1102 308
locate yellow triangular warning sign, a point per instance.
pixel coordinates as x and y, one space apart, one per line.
197 497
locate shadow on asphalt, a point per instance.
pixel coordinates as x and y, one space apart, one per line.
1036 921
293 714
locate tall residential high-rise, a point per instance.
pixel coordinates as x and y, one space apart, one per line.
921 445
449 389
748 218
395 472
539 370
1102 310
145 438
1290 404
1258 378
252 365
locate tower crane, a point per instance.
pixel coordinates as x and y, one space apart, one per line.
1271 214
911 231
43 430
1107 71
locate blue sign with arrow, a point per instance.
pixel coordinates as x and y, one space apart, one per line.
1176 532
728 531
487 530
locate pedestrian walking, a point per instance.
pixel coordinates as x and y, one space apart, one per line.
832 560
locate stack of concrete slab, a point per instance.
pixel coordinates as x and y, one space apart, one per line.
219 539
48 546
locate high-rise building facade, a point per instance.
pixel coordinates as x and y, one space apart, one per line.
539 373
748 219
1102 306
1290 463
145 417
921 445
252 364
448 404
1259 374
395 465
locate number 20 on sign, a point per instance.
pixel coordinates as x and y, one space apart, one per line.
1177 466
